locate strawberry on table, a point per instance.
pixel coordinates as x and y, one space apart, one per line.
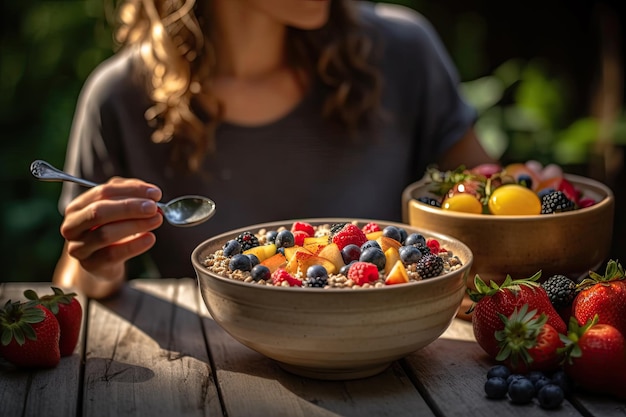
604 295
68 312
596 357
528 343
29 335
492 301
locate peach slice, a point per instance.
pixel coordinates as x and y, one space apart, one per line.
392 255
291 251
397 274
333 254
374 235
301 261
386 242
518 169
315 244
275 261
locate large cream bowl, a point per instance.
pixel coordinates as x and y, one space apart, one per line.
333 333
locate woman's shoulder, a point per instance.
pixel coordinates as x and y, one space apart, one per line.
395 24
115 76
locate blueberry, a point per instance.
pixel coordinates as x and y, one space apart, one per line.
374 256
499 370
392 232
350 253
496 387
240 262
403 234
370 244
544 192
344 269
534 376
316 271
254 260
521 391
232 247
415 239
541 382
271 236
260 272
409 254
525 180
285 239
561 379
513 377
550 396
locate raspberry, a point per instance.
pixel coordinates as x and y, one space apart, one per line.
302 227
434 246
299 236
349 234
281 275
363 272
371 227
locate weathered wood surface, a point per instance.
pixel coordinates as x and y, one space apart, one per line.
153 350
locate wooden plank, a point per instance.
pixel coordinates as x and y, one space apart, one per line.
253 385
56 390
146 354
453 373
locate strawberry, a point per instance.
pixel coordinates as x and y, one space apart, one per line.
363 272
303 227
69 313
604 295
596 357
490 301
528 343
349 234
281 275
371 227
29 335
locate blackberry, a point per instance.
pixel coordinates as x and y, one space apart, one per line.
336 228
430 201
429 265
561 291
248 241
556 202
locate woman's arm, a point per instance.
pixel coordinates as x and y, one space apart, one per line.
468 151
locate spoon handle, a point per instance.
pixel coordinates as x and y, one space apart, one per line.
43 171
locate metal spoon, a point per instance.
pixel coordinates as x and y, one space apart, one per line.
188 210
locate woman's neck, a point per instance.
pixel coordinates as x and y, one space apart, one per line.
248 44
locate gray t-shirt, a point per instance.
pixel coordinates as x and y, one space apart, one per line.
295 167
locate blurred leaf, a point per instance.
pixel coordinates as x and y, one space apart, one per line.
483 93
573 143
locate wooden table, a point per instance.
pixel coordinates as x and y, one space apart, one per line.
153 350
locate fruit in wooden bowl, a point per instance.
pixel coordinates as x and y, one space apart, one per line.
331 332
571 242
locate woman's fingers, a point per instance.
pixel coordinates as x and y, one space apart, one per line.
115 189
100 261
104 212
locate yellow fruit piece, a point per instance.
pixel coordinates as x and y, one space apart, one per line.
333 254
397 275
463 202
386 242
514 199
374 235
262 252
392 255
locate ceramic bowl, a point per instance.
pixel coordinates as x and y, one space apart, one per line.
570 243
334 334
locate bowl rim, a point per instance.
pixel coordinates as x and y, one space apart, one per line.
464 270
608 200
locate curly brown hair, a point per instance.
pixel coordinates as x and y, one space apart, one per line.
169 35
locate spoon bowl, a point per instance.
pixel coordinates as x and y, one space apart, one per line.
184 211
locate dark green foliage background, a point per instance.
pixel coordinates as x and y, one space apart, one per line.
49 47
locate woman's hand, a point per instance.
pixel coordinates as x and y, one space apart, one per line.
103 228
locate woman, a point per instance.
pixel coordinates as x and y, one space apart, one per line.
275 109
